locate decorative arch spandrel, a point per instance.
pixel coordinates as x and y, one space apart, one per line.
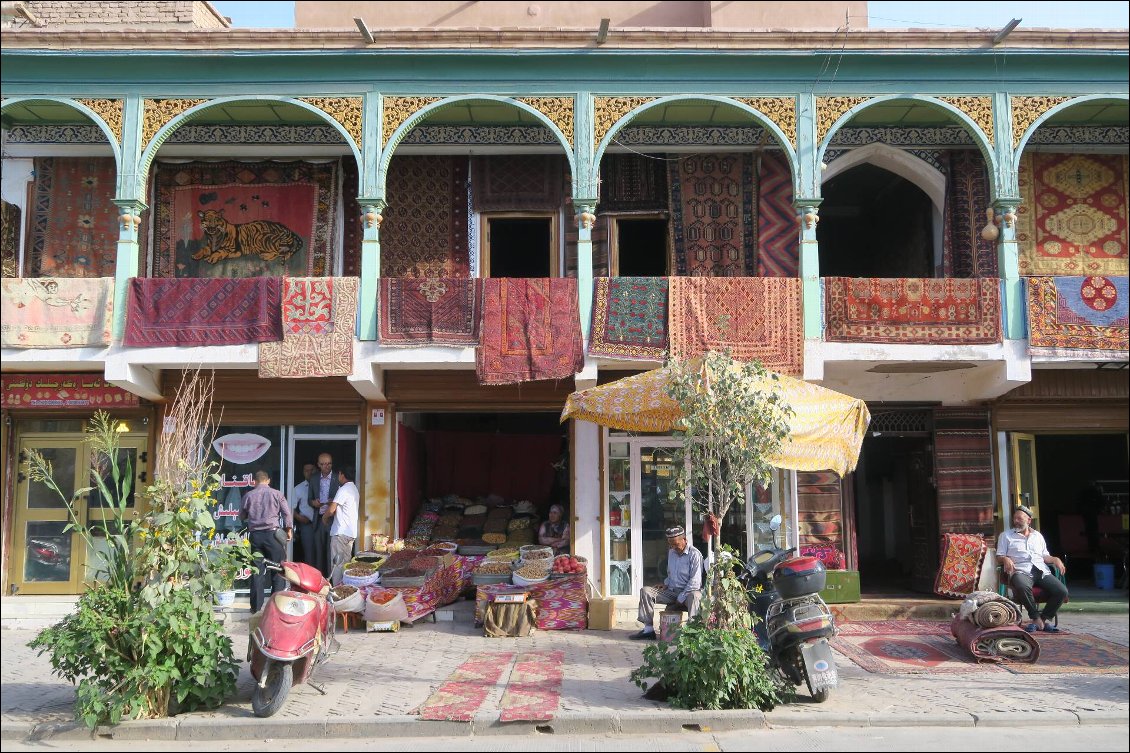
110 110
978 109
396 110
780 110
607 111
159 112
1027 110
831 109
558 109
347 111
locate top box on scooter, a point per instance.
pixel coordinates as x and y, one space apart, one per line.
799 576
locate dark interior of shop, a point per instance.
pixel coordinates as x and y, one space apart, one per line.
642 247
519 247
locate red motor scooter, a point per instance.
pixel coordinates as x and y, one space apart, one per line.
291 636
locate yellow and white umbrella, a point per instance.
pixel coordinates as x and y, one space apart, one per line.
825 432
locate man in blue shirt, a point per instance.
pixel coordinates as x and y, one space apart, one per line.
682 586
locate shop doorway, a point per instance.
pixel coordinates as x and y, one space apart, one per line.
639 247
47 558
519 246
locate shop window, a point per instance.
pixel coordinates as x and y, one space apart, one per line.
639 247
519 245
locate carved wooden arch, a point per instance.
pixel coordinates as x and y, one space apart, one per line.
1035 111
833 113
107 114
401 114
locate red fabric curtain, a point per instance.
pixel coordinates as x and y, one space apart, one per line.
409 484
470 464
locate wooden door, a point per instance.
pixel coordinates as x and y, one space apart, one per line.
922 509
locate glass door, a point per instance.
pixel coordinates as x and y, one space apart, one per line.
619 516
660 508
1024 491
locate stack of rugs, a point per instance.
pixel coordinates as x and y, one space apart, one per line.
988 626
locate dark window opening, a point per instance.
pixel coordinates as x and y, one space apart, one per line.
520 247
641 248
874 223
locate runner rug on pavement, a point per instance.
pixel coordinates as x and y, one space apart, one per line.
1077 653
893 627
902 654
534 690
465 689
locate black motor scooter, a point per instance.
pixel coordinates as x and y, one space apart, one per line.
793 624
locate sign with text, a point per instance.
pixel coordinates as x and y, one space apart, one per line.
80 391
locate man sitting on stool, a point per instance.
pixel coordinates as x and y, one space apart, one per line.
683 584
1024 559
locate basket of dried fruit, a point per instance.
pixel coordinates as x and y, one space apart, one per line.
360 574
406 577
536 552
528 575
488 573
347 598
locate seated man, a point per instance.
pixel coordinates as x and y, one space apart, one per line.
1024 559
682 586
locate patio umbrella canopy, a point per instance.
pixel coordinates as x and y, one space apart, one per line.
825 432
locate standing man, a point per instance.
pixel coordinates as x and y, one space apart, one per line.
682 586
262 508
343 511
1024 559
322 490
305 519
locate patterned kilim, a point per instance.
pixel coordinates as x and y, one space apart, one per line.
319 316
534 690
713 215
909 654
431 311
531 330
424 231
511 182
203 311
819 516
47 312
778 253
1076 654
961 557
74 223
967 198
1078 316
245 219
465 689
352 230
629 318
632 183
893 627
1072 219
1003 644
963 469
754 317
912 310
10 240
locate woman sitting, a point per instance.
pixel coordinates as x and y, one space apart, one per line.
555 531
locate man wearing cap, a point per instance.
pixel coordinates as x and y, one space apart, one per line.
1024 559
682 586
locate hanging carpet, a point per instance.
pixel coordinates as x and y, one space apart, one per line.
531 330
47 312
713 215
319 316
1081 317
74 222
963 470
778 252
430 311
967 198
516 182
629 318
10 225
424 231
633 183
203 311
961 557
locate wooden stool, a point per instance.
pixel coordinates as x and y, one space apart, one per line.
349 619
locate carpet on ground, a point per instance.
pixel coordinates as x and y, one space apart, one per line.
905 654
534 690
1076 653
465 689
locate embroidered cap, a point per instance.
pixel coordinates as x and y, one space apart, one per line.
675 532
1027 511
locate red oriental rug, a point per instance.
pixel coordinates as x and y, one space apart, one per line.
963 470
245 219
203 311
74 223
961 557
465 689
912 310
820 515
1076 653
629 318
1072 218
1083 317
893 627
778 252
513 182
424 231
713 215
531 330
534 690
903 654
967 254
319 316
430 311
754 317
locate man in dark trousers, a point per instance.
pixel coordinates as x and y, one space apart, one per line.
262 508
323 487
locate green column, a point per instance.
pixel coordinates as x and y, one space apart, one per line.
1008 263
128 198
586 216
807 217
371 210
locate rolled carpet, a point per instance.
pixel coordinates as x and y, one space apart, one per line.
996 644
996 614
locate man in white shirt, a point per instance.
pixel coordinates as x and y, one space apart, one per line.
305 518
343 511
1024 559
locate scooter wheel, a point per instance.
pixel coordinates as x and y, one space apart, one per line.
269 698
821 695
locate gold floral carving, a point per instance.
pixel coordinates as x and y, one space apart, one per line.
158 112
831 109
1027 110
780 110
558 109
608 110
979 110
399 109
110 110
345 110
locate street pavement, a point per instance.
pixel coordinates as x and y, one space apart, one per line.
376 682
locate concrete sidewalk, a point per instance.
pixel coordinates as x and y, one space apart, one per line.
377 681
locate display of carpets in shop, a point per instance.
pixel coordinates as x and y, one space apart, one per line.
319 316
1072 215
203 311
912 310
74 223
965 252
531 330
961 558
430 311
48 312
424 226
713 223
629 318
778 248
1081 317
963 470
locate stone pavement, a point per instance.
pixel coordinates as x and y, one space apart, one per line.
377 680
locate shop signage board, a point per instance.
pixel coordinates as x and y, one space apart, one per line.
78 391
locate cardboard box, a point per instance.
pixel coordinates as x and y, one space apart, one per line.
602 613
841 587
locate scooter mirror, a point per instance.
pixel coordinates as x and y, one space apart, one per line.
775 523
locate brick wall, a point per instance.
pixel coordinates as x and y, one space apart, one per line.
169 13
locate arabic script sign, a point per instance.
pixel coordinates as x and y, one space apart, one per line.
63 391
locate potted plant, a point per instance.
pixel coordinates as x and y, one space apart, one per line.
229 560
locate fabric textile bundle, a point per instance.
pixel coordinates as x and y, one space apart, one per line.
987 609
1009 643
